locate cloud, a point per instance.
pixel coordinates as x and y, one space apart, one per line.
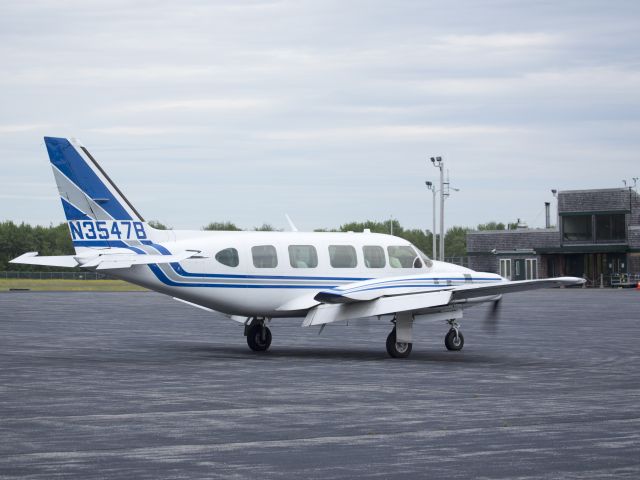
8 129
186 105
144 130
389 132
516 40
289 93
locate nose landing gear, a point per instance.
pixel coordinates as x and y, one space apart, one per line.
258 335
453 340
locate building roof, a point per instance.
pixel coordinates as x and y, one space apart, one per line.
599 200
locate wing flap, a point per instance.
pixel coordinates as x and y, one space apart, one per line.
329 313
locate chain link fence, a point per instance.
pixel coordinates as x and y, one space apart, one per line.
55 275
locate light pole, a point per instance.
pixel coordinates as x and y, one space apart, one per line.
438 163
432 187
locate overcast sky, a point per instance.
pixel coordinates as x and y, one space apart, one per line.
328 111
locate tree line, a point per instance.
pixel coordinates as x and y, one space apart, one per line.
16 239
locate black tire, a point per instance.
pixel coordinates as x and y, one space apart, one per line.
397 350
257 341
452 343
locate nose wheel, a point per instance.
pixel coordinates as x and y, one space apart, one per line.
397 349
453 340
258 337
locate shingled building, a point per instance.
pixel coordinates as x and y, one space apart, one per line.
598 236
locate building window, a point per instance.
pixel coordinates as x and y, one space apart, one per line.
374 256
403 257
264 256
577 228
610 228
228 257
342 256
505 268
303 256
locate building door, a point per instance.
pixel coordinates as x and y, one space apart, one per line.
574 265
519 272
505 268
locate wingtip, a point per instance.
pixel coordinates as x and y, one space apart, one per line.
23 257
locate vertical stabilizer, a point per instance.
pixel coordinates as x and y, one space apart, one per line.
98 213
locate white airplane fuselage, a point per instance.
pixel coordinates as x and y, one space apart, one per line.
250 289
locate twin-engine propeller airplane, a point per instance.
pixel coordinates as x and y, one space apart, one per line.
254 277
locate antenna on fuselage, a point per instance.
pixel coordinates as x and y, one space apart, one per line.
291 224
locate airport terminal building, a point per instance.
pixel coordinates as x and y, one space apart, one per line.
597 237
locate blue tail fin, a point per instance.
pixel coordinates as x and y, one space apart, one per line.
98 213
86 190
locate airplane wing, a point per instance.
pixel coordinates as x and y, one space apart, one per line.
105 259
413 294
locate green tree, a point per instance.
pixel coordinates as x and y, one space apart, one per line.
455 242
226 226
491 226
18 239
266 227
420 238
158 225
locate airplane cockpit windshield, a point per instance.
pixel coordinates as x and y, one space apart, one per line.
427 261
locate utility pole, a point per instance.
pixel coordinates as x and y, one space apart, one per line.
432 187
438 163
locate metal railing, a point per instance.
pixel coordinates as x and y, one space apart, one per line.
462 261
624 280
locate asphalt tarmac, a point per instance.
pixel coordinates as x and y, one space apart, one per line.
137 385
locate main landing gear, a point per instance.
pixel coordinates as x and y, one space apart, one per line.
397 349
258 335
453 340
399 340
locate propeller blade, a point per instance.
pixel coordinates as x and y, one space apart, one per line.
493 316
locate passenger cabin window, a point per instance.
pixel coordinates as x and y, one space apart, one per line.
228 257
264 256
373 256
403 257
342 256
303 256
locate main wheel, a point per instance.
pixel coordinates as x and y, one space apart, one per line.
395 349
259 338
454 342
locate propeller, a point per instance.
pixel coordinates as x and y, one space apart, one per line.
493 316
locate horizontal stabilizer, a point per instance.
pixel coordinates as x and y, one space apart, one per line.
329 313
114 261
103 259
32 258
